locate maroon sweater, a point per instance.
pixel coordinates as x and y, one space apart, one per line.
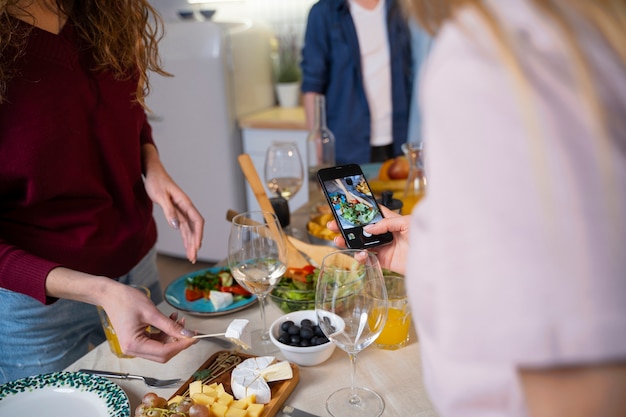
71 186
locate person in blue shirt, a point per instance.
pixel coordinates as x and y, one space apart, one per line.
358 54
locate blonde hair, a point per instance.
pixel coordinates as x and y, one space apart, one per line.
607 18
123 35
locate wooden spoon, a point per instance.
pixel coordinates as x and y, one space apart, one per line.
294 258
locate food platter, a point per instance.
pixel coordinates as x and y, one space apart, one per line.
280 389
63 394
175 296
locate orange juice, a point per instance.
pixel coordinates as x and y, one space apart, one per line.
109 331
395 334
396 330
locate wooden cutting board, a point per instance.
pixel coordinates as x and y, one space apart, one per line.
280 389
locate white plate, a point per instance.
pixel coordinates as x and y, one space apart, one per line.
63 394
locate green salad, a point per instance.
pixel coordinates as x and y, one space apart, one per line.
296 289
357 213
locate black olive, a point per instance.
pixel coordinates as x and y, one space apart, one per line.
318 331
306 333
286 325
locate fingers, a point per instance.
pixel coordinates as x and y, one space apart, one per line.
163 345
390 224
183 216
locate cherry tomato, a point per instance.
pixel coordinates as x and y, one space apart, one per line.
192 294
235 289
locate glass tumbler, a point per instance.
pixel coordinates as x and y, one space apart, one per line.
395 334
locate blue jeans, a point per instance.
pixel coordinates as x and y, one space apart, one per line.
37 338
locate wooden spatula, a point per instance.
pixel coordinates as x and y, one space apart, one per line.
294 258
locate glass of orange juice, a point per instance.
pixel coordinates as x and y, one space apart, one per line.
109 331
395 334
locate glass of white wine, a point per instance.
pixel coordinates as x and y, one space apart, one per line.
351 307
284 171
257 258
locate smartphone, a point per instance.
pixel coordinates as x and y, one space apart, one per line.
353 205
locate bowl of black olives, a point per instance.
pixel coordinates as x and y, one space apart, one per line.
300 339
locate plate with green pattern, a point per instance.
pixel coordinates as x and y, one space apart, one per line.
63 394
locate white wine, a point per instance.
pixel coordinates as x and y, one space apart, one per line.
259 276
284 186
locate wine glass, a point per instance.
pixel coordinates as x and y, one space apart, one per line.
284 172
257 259
351 307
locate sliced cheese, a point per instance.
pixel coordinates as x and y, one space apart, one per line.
220 299
204 399
277 372
195 387
250 377
254 410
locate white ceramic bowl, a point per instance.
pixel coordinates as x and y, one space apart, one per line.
304 356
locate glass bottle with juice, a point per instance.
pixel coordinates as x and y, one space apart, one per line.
415 188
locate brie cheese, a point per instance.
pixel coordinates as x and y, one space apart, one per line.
251 377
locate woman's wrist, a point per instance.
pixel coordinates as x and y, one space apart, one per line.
78 286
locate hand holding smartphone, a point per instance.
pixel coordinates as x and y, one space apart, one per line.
353 205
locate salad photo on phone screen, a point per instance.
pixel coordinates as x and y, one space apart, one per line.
353 201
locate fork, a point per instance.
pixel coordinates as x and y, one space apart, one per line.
152 382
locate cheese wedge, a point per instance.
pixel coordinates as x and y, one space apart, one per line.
220 299
277 372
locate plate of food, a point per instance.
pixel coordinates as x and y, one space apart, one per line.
63 394
391 175
208 292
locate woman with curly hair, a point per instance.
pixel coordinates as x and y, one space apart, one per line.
515 258
79 173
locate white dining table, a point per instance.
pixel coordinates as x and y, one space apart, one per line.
395 374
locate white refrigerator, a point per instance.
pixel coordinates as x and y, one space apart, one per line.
221 70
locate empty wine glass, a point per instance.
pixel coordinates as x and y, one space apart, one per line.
351 307
257 259
284 172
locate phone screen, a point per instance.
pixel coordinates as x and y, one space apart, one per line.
353 205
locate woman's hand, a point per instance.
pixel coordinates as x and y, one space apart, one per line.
131 312
394 255
177 207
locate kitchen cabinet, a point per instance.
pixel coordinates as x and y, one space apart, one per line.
260 130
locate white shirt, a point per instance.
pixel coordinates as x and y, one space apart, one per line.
517 252
371 29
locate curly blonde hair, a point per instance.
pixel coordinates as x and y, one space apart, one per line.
123 35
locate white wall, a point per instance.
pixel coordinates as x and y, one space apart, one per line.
285 16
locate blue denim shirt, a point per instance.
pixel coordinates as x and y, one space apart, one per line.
331 65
